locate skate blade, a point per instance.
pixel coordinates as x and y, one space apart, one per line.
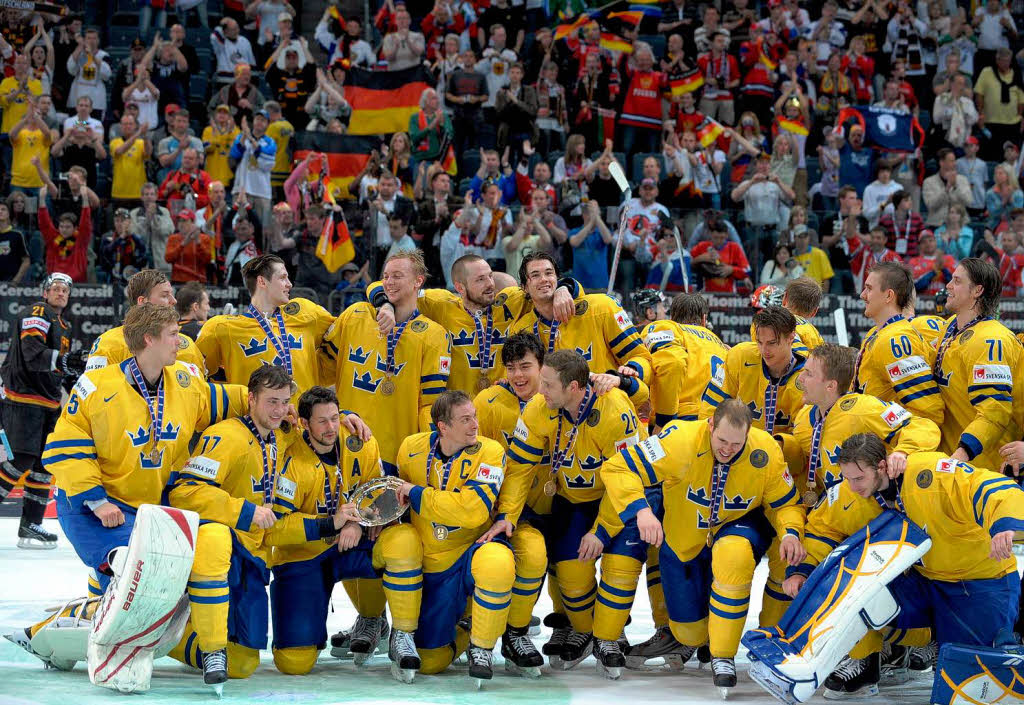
218 689
528 672
360 658
671 662
569 665
479 683
533 631
612 673
402 675
342 652
864 692
900 676
724 692
36 544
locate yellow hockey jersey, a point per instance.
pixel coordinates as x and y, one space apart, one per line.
238 345
610 426
976 369
895 364
773 403
356 356
807 336
101 445
110 349
681 457
930 328
960 506
301 494
602 333
226 480
685 358
851 414
450 510
497 412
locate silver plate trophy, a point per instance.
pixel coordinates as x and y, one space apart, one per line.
377 501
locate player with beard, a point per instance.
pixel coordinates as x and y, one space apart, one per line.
478 317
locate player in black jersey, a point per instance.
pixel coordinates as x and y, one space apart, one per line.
39 359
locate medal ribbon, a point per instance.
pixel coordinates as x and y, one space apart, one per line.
393 337
815 462
281 345
446 468
506 385
269 463
719 475
558 456
899 499
331 500
863 348
552 332
484 337
156 409
771 397
947 338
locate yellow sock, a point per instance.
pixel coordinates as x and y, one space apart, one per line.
94 589
208 586
732 568
554 592
577 583
531 562
494 572
615 593
400 552
870 644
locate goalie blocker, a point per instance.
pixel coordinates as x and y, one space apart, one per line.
844 598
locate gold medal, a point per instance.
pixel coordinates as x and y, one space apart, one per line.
387 387
154 455
711 538
482 383
550 488
440 533
810 498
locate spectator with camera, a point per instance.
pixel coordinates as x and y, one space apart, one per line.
782 268
721 263
122 252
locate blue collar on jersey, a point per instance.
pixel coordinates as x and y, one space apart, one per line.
797 361
583 414
816 410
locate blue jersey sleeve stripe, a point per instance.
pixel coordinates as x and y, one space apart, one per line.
784 499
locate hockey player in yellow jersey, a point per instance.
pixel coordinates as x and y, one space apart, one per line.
727 491
316 543
477 316
801 297
600 330
686 355
271 331
146 286
966 586
580 429
390 381
894 362
230 483
929 326
452 480
832 414
765 374
978 362
498 409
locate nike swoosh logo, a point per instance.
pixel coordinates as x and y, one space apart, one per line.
749 364
632 543
701 453
413 455
492 400
847 506
106 399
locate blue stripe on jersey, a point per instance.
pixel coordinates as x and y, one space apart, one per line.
781 501
69 443
213 403
54 459
434 378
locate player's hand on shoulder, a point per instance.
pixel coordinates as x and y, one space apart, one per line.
385 319
356 426
896 464
603 383
564 306
791 585
109 514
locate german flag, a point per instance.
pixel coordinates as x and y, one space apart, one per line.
335 248
613 42
383 101
564 30
346 157
687 83
633 17
708 132
792 126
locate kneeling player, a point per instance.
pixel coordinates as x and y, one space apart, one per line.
724 482
230 484
452 479
966 587
318 541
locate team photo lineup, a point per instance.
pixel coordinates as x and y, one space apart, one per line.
308 304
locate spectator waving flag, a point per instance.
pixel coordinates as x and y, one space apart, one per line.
708 132
335 248
686 83
383 101
889 130
346 157
613 42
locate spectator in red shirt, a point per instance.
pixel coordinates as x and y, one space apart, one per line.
869 254
720 261
932 268
189 251
721 75
189 179
860 68
67 243
439 22
903 226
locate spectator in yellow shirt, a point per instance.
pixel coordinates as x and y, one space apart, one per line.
30 138
129 154
218 137
813 259
281 131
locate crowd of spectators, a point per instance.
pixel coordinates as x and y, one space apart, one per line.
173 147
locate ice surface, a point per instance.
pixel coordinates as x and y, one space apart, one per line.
34 580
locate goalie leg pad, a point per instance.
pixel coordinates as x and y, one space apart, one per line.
140 603
969 675
827 617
